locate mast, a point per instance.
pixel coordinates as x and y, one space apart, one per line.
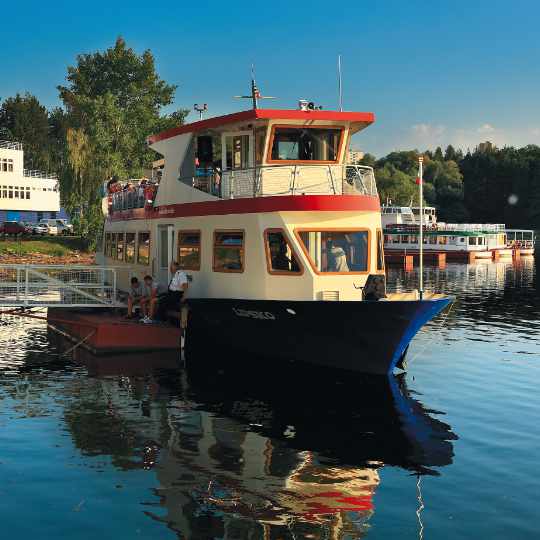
421 185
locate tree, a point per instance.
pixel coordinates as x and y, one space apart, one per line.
450 154
24 119
113 101
438 155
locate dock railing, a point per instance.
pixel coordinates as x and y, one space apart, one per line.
26 285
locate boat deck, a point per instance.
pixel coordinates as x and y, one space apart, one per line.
105 332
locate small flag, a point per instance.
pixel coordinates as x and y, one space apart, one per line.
418 181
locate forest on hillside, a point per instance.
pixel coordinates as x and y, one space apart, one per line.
114 99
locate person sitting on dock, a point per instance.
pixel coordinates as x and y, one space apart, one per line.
149 300
134 297
176 292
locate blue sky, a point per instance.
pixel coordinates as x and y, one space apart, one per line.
434 72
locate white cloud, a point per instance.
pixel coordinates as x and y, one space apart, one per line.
485 129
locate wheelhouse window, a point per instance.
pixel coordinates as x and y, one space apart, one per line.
120 247
189 250
143 248
305 144
228 251
130 247
380 251
280 256
337 252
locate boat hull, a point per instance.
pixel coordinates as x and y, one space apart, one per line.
364 336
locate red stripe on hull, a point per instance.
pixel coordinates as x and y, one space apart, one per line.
289 203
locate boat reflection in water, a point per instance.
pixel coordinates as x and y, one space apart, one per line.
296 456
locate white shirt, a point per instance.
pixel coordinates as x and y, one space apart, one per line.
179 279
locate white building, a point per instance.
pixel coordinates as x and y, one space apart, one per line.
355 156
25 195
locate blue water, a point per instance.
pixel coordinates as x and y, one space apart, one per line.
136 447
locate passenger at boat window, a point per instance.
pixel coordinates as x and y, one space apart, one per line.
176 292
216 187
336 257
280 257
134 297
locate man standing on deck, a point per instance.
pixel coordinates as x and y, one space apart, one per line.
176 292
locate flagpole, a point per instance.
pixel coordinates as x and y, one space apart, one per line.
421 183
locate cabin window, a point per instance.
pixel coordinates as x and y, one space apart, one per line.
380 251
472 240
305 144
443 240
189 250
280 257
113 245
395 238
260 139
130 247
336 251
107 247
432 239
228 251
143 248
120 247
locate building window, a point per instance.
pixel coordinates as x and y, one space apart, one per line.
280 257
380 251
337 252
228 251
120 247
143 248
28 193
39 216
6 165
291 143
130 247
189 250
53 215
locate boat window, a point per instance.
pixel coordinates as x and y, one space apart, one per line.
443 240
130 247
433 239
107 247
113 246
380 251
395 238
280 257
305 144
228 251
143 248
336 251
189 250
120 247
472 240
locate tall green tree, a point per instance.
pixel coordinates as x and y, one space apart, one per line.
24 119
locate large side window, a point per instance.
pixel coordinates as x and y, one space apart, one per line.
280 257
143 248
130 247
336 251
189 250
291 143
120 247
228 251
380 250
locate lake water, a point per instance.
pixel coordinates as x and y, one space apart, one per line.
135 447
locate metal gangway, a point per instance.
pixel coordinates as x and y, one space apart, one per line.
33 285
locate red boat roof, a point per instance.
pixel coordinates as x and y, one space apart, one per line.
255 114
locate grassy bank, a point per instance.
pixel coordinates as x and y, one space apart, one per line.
47 249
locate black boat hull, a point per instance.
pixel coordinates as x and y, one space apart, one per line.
365 336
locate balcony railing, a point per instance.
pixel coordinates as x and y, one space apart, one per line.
277 180
11 145
39 174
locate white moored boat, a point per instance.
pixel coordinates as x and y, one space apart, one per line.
281 240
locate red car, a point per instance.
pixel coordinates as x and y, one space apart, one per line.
13 227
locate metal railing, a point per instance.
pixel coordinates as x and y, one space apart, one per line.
472 227
274 180
25 285
39 174
11 145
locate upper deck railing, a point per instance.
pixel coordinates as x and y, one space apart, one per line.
266 181
11 145
263 181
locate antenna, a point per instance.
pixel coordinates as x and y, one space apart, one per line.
255 92
340 89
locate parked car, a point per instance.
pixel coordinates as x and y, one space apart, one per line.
40 228
64 227
13 228
51 224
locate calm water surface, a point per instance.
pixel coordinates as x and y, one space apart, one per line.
134 447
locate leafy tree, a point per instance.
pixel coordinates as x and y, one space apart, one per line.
369 160
438 155
24 119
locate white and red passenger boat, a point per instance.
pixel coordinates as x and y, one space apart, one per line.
280 238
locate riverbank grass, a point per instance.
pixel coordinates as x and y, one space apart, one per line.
61 246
